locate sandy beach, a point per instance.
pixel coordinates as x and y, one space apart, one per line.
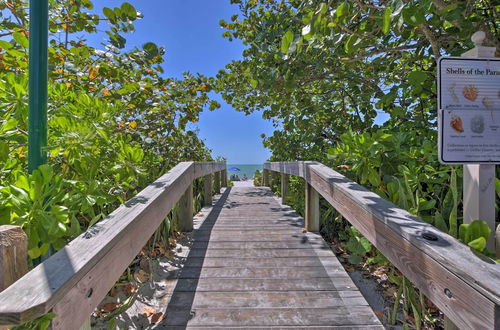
247 183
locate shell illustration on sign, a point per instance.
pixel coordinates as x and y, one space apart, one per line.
453 95
488 102
477 124
456 124
470 92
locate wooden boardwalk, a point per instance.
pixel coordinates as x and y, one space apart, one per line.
251 266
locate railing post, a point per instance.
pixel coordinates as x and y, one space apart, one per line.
265 178
285 179
207 190
13 255
224 178
479 179
186 210
217 182
497 239
312 209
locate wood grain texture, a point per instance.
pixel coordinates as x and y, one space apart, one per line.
217 185
259 270
207 190
265 317
13 255
95 259
186 210
265 177
285 181
311 211
433 267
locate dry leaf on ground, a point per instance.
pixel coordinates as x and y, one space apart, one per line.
162 249
148 311
380 313
350 269
109 307
390 292
144 264
141 276
304 230
157 317
129 289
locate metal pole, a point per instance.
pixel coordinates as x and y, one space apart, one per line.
38 75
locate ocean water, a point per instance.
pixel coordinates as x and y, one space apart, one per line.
248 169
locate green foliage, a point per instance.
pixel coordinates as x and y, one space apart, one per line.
41 323
257 178
475 234
357 245
116 123
352 84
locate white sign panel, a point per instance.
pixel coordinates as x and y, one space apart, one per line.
469 110
468 83
470 136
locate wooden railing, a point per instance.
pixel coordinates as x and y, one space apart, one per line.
72 282
462 284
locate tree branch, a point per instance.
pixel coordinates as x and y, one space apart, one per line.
380 51
436 47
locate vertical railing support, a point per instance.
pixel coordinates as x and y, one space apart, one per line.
217 182
224 178
312 209
479 179
265 178
207 190
497 240
186 210
13 255
285 179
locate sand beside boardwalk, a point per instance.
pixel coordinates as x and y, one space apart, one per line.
248 183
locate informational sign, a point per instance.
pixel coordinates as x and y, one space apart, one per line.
469 110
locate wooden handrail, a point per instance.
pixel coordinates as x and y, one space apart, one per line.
74 281
464 285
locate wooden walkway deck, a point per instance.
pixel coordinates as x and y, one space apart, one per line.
252 266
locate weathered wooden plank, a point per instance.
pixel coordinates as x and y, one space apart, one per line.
252 253
439 268
242 227
250 284
123 232
350 327
285 180
207 190
250 238
265 178
312 215
291 244
13 255
251 272
204 168
263 317
260 299
258 262
268 267
186 210
217 182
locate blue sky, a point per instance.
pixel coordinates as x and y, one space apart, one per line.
190 32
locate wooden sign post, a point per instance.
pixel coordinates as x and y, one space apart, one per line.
479 179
